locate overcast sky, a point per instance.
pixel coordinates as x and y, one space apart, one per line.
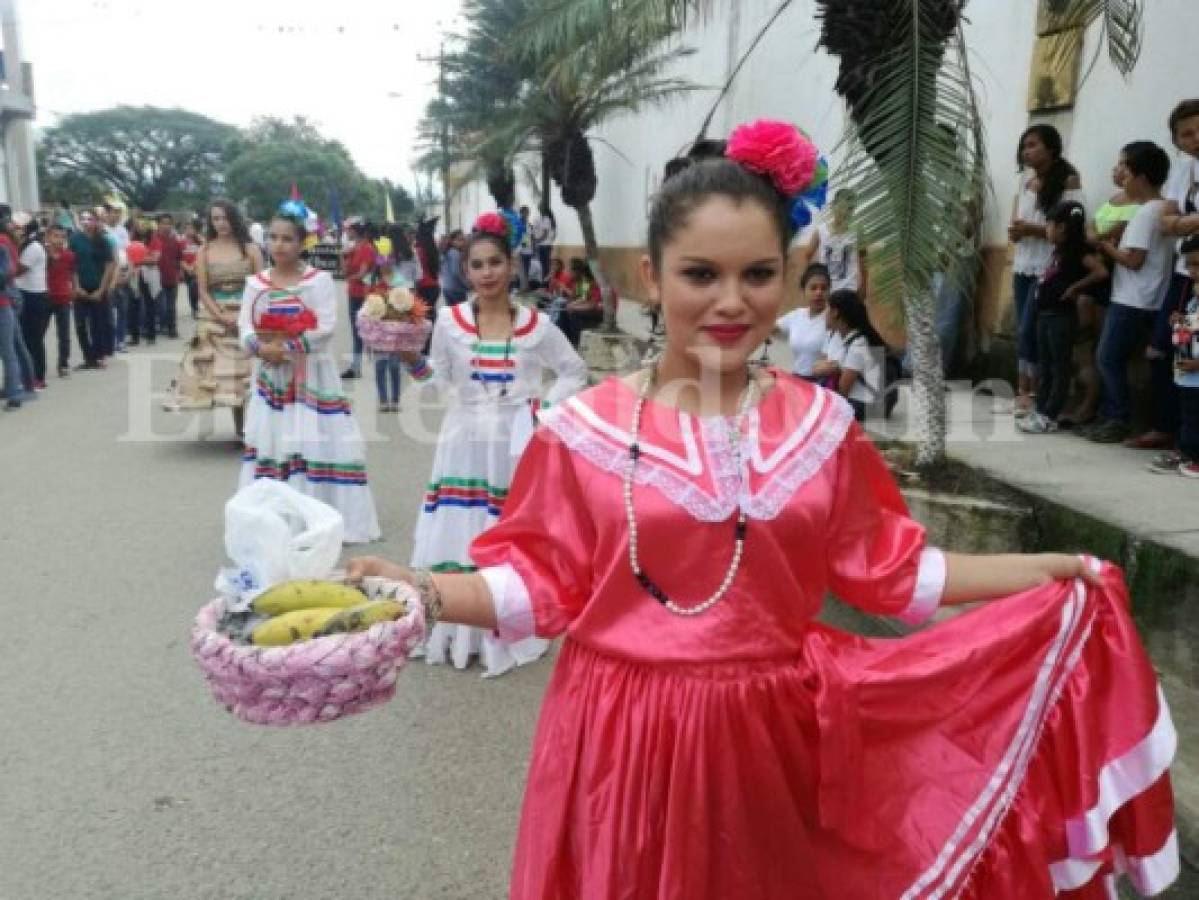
339 62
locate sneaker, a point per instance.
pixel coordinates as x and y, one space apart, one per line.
122 349
1189 469
349 373
64 371
1165 463
39 385
11 404
1110 432
133 342
1036 423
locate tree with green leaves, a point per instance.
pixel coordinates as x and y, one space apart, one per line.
272 154
145 154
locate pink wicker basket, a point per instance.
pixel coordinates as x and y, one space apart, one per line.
312 681
385 336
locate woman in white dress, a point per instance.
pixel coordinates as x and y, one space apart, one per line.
806 328
298 423
489 354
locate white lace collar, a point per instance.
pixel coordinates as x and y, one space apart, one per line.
688 460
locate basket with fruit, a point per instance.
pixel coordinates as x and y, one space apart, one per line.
395 322
308 651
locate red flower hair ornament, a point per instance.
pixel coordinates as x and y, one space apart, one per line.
785 156
492 223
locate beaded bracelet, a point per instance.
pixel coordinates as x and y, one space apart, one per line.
430 597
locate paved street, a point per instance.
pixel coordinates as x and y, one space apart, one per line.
121 778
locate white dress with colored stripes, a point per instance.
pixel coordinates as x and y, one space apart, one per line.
494 393
298 423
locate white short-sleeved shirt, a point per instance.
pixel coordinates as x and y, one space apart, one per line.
1183 186
1145 288
33 258
839 253
1032 253
857 355
806 334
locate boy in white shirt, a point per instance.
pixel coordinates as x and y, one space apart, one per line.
1141 272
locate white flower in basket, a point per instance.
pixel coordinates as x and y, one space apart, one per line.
394 323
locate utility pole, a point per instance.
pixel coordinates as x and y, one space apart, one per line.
444 137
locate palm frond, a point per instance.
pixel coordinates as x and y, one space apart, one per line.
914 153
556 24
1123 28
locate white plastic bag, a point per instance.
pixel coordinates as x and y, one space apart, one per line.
273 533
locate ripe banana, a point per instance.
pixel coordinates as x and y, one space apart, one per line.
362 617
295 595
297 625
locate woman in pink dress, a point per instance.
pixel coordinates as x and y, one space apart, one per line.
703 737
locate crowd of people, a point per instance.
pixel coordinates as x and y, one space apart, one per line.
1116 282
1123 279
115 277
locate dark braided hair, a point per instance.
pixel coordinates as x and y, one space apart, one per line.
705 172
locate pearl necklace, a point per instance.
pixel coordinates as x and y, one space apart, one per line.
735 436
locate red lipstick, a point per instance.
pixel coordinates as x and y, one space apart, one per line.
726 334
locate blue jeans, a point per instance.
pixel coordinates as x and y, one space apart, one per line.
1125 329
8 353
951 304
387 374
121 299
1023 288
62 331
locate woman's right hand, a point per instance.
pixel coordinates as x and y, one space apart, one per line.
376 567
410 357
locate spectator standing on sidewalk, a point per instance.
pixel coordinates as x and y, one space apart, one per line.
1141 271
10 235
1074 271
35 303
93 313
191 249
545 234
1180 221
1185 338
121 295
167 251
62 285
1051 179
359 265
453 280
9 329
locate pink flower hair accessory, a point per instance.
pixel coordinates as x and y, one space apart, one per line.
492 223
777 150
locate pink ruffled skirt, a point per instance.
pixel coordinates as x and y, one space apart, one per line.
1016 751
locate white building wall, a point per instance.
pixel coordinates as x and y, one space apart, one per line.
788 78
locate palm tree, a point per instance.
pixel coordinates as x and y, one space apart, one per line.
619 71
915 143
